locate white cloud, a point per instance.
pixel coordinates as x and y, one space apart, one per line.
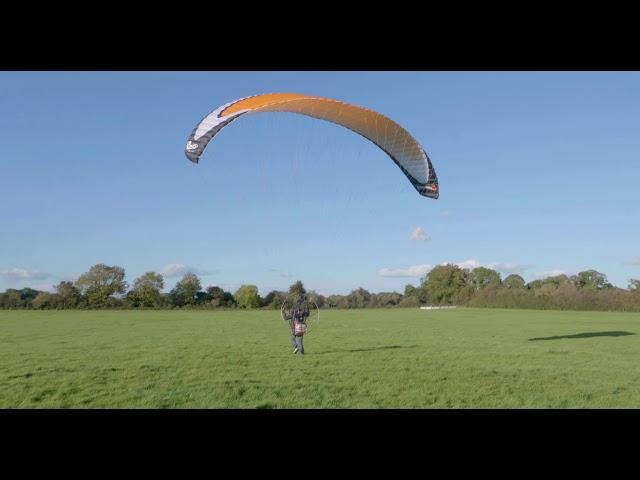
504 268
445 213
634 262
45 287
419 235
509 268
422 270
23 274
551 273
468 264
414 271
177 270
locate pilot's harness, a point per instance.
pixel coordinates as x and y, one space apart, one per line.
299 327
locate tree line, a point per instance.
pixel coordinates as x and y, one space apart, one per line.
104 287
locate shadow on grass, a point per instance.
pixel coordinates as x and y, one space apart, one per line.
368 349
585 335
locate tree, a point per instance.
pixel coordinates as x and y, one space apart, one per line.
69 295
444 282
535 284
420 295
228 300
634 286
247 296
217 297
147 290
28 295
359 298
315 297
186 290
274 299
12 299
593 280
100 283
387 299
46 300
23 298
514 281
410 301
557 280
334 301
297 292
201 298
216 294
482 277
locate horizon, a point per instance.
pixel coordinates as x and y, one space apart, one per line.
538 174
467 266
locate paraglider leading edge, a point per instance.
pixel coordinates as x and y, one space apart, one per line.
395 141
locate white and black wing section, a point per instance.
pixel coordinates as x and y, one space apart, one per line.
394 140
208 127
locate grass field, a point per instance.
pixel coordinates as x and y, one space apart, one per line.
402 358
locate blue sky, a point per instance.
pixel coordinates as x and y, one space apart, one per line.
538 171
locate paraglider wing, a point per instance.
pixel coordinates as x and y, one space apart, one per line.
403 149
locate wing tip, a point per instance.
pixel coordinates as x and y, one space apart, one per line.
192 158
429 190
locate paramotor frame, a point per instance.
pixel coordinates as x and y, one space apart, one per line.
312 320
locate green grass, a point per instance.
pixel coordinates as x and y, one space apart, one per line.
403 358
